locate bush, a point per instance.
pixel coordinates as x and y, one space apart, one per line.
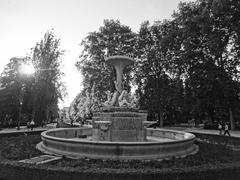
9 170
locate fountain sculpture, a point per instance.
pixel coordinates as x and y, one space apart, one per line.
119 122
119 131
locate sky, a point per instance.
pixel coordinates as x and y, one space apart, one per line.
24 22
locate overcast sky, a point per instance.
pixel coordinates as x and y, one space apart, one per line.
24 22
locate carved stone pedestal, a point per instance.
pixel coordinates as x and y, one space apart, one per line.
119 126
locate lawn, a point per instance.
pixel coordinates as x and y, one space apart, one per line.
211 152
218 158
19 147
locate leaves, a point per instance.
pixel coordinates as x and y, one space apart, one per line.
48 87
41 91
112 38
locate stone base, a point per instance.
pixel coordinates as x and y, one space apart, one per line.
119 126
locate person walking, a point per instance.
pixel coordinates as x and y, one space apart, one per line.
226 130
220 128
32 123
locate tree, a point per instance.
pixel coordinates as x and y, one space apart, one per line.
188 65
8 105
48 87
209 53
16 89
38 94
156 88
84 105
112 38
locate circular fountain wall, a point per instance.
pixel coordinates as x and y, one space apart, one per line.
78 143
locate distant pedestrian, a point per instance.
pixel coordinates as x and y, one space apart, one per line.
32 123
10 122
226 130
28 125
220 128
43 124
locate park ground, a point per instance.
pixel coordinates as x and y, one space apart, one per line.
235 133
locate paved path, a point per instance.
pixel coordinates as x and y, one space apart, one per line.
25 129
204 131
196 130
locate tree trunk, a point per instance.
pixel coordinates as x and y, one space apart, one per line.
231 117
160 117
210 117
47 113
33 114
47 116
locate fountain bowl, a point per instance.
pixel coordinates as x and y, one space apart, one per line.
78 143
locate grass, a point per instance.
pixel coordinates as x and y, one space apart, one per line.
211 153
19 147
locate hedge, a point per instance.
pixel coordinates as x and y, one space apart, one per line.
20 171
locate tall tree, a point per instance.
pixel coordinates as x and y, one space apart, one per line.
112 38
210 51
16 89
156 88
48 87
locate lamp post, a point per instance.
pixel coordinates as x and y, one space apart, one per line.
23 69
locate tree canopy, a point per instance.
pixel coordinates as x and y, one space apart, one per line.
38 93
112 38
187 66
48 87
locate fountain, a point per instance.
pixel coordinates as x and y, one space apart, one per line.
119 123
119 131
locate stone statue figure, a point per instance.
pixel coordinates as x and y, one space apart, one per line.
119 63
122 100
109 98
116 94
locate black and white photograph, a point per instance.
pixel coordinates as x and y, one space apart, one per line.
119 89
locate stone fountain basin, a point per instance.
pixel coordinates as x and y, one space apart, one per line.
76 143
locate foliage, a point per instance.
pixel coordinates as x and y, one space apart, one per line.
16 88
185 67
39 93
209 56
8 105
112 38
83 106
198 50
48 87
159 91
